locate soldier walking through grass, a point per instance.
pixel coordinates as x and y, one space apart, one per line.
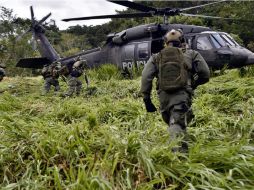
178 71
50 74
74 83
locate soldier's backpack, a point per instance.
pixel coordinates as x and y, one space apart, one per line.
173 71
45 71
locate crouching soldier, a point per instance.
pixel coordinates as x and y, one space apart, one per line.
74 83
50 74
2 72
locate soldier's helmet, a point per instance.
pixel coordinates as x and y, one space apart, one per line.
2 65
58 65
174 36
76 64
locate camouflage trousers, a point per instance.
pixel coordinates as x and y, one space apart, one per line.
176 112
50 81
177 119
75 85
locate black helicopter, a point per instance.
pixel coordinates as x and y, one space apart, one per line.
133 46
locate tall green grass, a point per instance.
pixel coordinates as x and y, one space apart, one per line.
104 139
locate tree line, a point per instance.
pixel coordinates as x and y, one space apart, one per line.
76 38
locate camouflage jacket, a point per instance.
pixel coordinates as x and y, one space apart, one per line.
198 71
50 71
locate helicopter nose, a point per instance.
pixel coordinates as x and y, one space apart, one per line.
250 60
241 57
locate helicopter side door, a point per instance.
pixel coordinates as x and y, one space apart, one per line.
203 44
135 54
128 57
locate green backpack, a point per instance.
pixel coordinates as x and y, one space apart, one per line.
173 71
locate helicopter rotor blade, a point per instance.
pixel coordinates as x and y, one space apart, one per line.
32 16
134 5
215 17
204 5
44 18
32 12
126 15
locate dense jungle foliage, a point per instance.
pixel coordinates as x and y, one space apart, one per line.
105 139
76 38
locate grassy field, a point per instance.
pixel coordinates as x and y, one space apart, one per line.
104 139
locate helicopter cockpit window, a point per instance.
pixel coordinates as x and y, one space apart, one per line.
215 43
228 40
203 43
229 37
219 39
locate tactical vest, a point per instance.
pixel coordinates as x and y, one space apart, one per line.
49 71
172 70
45 71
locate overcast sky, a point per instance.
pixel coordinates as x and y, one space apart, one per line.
63 9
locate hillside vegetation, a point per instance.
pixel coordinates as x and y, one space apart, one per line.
104 139
81 37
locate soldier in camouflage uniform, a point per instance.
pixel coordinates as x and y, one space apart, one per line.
77 70
50 74
175 105
2 71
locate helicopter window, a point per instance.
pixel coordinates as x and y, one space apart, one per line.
215 43
228 40
129 51
143 50
219 39
143 53
229 37
203 43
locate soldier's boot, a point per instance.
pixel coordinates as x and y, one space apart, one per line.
175 133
